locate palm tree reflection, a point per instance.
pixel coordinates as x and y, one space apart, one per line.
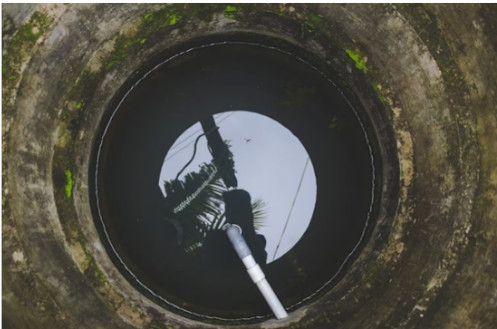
199 205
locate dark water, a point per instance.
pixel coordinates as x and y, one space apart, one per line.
176 254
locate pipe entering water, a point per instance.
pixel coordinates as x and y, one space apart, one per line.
234 233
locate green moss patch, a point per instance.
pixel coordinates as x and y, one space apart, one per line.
167 16
122 46
19 48
230 11
69 182
378 93
152 22
358 59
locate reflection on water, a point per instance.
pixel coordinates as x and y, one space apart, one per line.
220 118
269 162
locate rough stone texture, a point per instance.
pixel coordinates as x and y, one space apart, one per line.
431 258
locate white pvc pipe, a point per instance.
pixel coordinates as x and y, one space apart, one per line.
254 270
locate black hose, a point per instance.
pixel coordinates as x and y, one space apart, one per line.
193 157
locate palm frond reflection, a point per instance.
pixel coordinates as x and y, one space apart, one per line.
195 206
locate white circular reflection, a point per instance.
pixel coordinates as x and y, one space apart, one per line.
270 163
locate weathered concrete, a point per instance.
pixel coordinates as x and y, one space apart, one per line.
430 262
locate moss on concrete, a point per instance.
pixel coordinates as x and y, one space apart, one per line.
358 59
69 183
152 22
230 11
18 49
379 94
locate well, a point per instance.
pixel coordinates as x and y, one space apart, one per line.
425 75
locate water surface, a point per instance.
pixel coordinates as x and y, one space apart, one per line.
295 145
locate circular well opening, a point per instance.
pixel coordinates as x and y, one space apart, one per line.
291 140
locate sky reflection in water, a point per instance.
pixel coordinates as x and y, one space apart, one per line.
270 163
